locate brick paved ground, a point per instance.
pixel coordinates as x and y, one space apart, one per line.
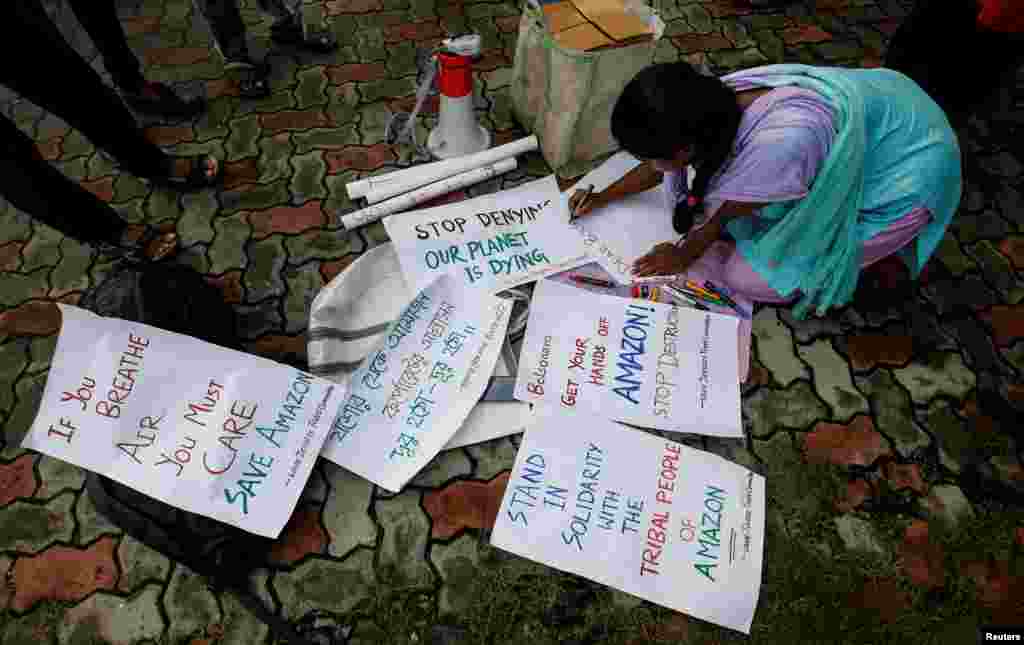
891 489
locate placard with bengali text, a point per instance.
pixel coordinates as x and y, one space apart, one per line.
416 389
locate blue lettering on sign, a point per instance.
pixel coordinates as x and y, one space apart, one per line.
634 337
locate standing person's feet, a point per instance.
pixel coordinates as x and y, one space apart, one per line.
291 33
159 99
252 76
143 243
190 173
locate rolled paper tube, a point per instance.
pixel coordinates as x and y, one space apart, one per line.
360 187
413 178
364 187
410 199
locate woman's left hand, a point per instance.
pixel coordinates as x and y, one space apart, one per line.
668 259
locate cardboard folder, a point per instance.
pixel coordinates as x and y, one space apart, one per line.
611 17
562 16
589 25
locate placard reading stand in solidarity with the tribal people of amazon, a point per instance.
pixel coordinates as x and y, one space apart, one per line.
417 387
648 364
494 242
209 430
676 526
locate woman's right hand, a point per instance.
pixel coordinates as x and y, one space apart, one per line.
594 202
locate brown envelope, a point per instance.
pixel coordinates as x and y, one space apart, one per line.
562 16
583 37
611 17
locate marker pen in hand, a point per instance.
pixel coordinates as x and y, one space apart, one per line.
587 194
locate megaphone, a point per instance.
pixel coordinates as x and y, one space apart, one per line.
457 132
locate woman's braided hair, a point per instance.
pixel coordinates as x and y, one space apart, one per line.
669 106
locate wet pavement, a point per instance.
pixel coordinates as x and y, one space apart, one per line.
888 438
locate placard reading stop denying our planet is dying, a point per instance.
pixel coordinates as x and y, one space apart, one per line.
677 526
494 242
640 362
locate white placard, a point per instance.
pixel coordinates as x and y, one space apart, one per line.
620 233
209 430
676 526
645 363
492 419
413 392
494 242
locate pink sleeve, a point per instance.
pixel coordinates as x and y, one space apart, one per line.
778 155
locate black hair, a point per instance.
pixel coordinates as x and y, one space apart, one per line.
668 106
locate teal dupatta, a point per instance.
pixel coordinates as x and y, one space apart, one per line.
813 245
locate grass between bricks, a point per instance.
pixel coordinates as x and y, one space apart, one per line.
812 590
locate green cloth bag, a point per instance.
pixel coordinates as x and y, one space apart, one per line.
565 97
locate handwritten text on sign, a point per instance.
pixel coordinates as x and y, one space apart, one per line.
416 389
650 517
644 363
495 241
206 429
624 230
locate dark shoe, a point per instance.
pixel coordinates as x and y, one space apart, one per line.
254 83
159 99
291 34
197 177
253 77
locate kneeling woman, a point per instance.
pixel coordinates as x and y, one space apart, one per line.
815 172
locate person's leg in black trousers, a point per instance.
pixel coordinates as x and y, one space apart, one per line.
60 81
229 37
100 20
35 186
289 28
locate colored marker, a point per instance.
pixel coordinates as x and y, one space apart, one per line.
656 280
693 286
703 294
681 297
721 293
645 292
702 297
594 282
728 300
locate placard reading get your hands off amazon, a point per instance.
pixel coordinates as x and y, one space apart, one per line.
640 362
